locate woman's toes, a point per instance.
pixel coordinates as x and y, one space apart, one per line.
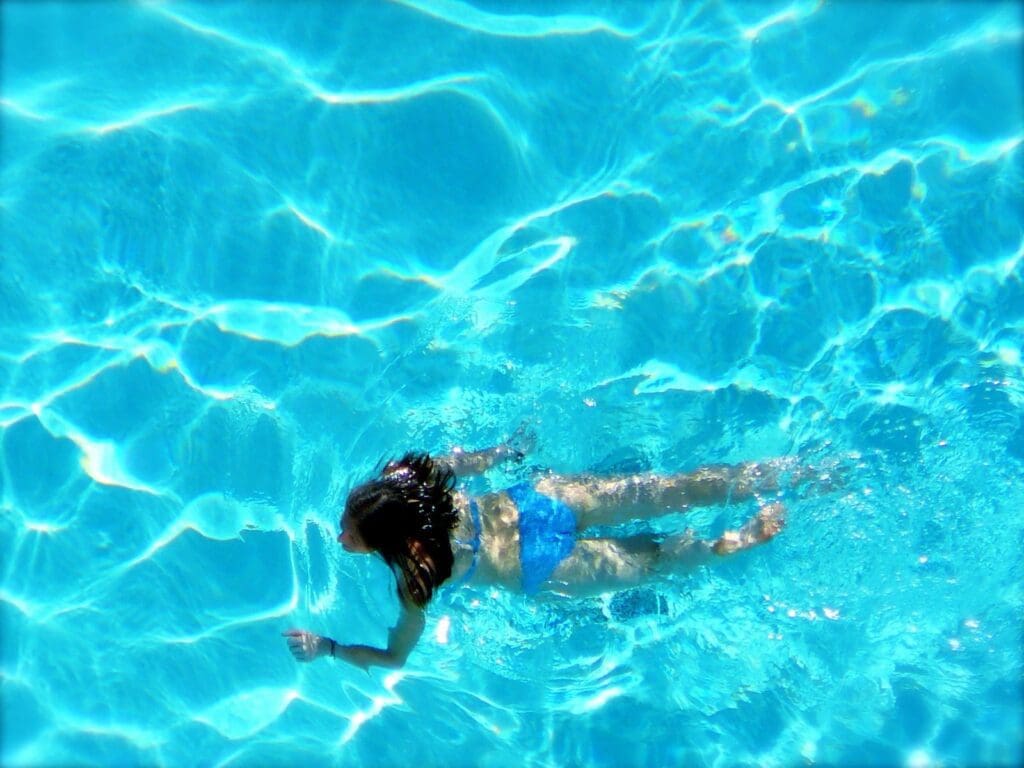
771 519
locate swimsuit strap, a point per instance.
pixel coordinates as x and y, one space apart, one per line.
474 543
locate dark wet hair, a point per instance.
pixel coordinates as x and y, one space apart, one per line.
406 515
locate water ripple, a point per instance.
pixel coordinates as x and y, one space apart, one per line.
468 17
250 251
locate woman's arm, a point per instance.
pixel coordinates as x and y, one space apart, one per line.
464 463
306 646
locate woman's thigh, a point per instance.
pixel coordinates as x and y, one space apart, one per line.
611 500
598 565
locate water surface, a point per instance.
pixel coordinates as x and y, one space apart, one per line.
249 250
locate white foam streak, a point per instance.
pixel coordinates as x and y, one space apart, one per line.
658 376
10 105
390 95
789 15
23 606
217 517
377 705
287 324
310 222
100 458
595 702
519 25
144 116
247 713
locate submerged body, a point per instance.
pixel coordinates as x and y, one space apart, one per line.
529 537
532 536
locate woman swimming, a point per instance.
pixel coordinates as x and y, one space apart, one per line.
527 536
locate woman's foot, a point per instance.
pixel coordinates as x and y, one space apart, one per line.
764 526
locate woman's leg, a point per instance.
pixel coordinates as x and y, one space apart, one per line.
762 527
600 565
597 500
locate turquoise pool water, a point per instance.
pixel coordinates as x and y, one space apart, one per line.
251 249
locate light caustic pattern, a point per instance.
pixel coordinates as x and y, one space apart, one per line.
249 250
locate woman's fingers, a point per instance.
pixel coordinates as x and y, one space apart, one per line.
522 441
302 644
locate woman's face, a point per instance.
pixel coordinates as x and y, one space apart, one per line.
349 537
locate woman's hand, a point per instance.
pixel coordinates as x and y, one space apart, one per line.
477 462
305 646
522 442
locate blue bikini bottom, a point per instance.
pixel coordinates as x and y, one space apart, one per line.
547 534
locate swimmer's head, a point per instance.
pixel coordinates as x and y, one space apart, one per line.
406 515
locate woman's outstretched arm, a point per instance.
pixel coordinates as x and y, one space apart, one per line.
464 463
477 462
307 646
